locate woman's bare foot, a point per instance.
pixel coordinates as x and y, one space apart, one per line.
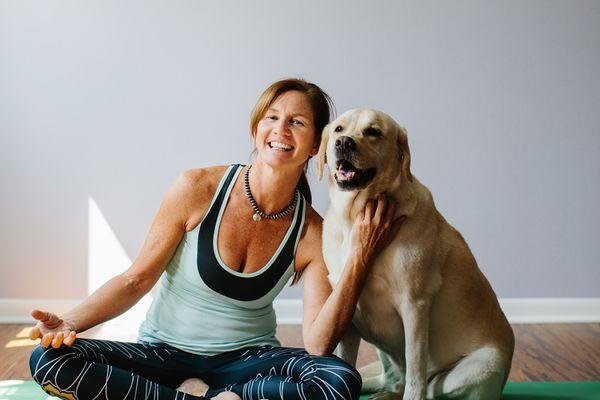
227 396
193 386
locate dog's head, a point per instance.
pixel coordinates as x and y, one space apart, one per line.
364 148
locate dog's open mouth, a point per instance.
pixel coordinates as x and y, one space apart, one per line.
348 177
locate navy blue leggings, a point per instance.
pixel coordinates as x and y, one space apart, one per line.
101 369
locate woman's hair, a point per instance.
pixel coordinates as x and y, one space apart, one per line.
322 108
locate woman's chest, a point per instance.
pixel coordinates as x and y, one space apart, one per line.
246 245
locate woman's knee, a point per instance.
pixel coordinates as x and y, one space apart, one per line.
41 358
339 375
35 360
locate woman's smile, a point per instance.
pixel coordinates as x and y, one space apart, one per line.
280 146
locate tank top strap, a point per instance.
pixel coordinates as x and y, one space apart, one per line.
223 190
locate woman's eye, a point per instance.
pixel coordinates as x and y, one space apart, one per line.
297 122
272 117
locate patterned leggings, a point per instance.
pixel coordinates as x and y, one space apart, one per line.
100 369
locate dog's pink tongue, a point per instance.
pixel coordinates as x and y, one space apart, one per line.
344 175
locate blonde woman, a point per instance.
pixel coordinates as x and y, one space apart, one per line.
224 243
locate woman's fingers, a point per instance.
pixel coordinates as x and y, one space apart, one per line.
47 339
58 339
380 209
47 318
368 214
38 314
361 215
390 211
48 321
70 339
35 333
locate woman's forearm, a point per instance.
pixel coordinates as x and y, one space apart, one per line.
336 314
110 300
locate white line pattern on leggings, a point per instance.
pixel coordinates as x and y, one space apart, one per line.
293 373
88 350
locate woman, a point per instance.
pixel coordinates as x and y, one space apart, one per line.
216 245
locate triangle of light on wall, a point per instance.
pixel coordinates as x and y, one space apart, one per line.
106 259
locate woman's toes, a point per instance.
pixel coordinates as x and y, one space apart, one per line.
193 386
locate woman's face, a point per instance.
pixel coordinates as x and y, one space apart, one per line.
285 136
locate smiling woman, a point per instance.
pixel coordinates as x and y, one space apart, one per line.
224 243
291 108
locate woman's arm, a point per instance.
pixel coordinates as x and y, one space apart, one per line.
327 312
124 290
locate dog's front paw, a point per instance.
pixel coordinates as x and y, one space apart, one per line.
414 392
386 396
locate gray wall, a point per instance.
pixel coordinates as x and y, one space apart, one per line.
113 99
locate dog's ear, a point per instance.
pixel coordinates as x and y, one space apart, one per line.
322 155
404 153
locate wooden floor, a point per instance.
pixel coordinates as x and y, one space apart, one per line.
544 352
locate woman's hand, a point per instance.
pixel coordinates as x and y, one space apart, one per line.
374 228
51 329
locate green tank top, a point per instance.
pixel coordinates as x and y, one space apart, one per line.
204 307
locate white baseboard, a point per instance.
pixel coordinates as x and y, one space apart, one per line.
548 310
16 311
518 311
289 311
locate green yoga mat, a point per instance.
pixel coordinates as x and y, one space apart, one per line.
546 391
28 390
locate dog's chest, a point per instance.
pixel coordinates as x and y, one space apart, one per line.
376 301
376 316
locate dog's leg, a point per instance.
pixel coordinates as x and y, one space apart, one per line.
415 315
480 375
347 349
383 375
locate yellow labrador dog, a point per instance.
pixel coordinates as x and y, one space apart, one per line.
426 306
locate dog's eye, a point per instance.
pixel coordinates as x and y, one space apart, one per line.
372 132
339 128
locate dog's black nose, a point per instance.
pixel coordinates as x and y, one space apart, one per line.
345 143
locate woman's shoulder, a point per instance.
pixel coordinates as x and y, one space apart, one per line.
200 181
202 176
194 189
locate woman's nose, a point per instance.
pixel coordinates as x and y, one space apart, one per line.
282 127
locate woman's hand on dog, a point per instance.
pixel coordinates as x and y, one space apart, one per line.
375 227
51 329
